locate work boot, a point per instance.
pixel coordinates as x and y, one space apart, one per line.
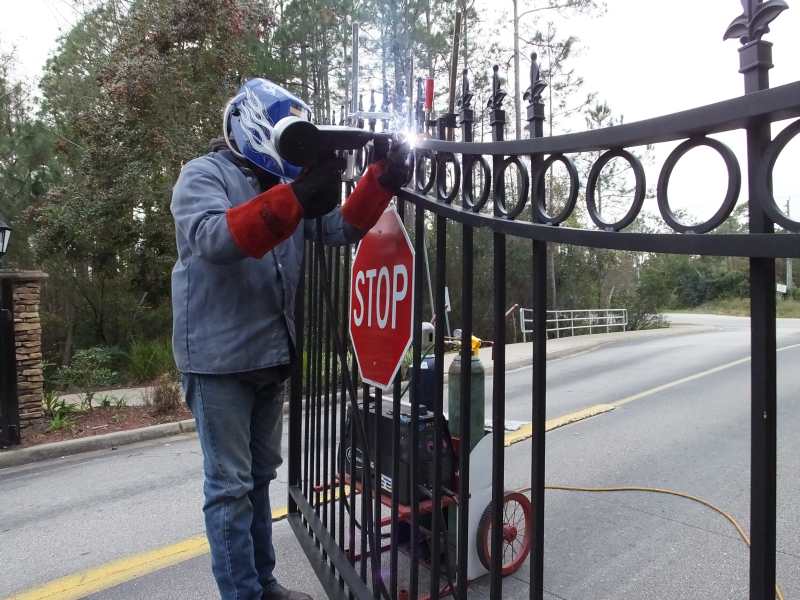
278 592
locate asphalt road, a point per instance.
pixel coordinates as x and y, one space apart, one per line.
64 516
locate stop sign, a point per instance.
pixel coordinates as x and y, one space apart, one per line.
381 299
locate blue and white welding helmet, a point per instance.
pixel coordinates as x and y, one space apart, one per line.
249 118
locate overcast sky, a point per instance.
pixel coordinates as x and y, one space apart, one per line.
644 57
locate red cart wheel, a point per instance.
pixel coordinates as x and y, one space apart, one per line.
516 533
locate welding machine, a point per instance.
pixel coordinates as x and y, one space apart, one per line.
352 455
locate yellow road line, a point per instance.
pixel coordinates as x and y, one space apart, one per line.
114 573
683 380
125 569
526 431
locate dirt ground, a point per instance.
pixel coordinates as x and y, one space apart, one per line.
100 420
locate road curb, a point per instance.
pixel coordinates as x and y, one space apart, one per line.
106 441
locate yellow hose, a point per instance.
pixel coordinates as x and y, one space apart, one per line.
706 503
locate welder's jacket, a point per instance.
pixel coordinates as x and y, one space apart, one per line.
240 252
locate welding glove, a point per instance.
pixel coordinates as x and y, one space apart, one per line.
318 187
396 169
375 189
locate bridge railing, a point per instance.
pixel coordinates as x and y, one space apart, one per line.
349 526
576 322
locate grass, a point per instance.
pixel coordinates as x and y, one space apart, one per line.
740 307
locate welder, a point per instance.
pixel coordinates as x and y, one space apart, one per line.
242 215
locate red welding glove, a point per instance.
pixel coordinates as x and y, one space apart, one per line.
260 224
381 181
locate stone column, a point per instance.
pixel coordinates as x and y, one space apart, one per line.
25 293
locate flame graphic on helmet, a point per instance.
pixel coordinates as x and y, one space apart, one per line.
256 126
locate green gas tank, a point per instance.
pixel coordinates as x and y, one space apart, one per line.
477 396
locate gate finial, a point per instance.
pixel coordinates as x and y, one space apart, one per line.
465 100
498 93
534 93
385 104
754 22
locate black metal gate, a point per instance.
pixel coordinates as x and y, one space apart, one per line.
337 506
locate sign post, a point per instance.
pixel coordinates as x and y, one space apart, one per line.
381 300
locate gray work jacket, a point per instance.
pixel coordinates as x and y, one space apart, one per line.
232 313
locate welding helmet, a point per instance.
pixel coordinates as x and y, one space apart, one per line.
248 121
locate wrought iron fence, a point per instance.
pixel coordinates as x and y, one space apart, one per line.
358 493
561 322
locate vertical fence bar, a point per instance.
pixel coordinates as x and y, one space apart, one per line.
296 392
756 60
396 407
308 360
539 375
365 495
318 372
438 401
332 480
419 266
497 122
343 401
326 438
376 545
465 385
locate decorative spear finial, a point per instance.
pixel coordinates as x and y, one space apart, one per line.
465 100
754 22
385 104
498 93
534 93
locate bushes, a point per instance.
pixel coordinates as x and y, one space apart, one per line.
89 370
101 367
147 360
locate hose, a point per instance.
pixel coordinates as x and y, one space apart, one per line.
745 538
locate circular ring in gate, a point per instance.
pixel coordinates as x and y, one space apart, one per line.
421 157
522 192
468 195
539 205
442 159
731 195
638 195
764 178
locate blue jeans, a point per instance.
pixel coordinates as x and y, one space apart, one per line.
239 423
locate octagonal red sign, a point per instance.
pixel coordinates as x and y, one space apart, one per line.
382 299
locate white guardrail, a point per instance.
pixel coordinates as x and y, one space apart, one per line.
593 320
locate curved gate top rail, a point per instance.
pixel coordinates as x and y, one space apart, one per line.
774 104
694 126
339 462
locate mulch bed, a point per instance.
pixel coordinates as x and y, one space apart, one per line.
101 420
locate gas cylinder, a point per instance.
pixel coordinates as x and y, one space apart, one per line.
477 396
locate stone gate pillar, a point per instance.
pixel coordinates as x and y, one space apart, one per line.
21 294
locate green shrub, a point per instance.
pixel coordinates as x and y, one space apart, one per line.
89 370
57 411
149 359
